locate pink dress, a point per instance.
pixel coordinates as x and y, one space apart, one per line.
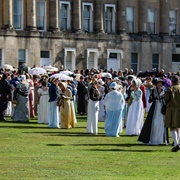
31 99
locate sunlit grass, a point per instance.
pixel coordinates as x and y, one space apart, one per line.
33 151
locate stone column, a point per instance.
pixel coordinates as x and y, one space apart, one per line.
76 15
8 14
53 15
142 17
121 16
31 15
164 17
99 16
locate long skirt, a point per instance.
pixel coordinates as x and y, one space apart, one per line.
135 118
101 114
21 111
112 122
53 115
92 120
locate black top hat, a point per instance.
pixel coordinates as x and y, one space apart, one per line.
159 80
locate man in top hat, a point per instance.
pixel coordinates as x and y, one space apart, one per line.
172 99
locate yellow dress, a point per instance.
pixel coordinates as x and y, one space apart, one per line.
66 111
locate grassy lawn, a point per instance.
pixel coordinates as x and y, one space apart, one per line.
32 151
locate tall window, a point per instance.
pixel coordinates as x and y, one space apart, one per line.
41 15
110 18
130 25
173 22
65 15
21 57
91 60
87 17
134 62
45 58
152 21
18 18
0 57
155 61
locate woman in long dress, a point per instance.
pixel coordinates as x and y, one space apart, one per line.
81 92
66 110
31 95
114 103
153 129
43 108
93 108
53 95
148 85
21 112
35 93
101 88
135 116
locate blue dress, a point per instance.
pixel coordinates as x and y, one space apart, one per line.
53 115
114 103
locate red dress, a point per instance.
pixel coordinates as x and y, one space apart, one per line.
31 99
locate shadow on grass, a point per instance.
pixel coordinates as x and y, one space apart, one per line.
55 144
24 127
126 150
124 145
70 134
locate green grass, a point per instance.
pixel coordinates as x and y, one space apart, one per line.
33 151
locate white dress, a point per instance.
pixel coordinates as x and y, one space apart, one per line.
8 111
135 116
92 119
44 107
157 127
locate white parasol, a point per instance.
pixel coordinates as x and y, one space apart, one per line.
8 67
106 75
68 73
37 71
50 68
62 77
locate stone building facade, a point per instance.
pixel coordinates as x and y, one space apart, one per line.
81 34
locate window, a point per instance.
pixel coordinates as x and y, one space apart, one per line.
172 22
21 57
113 55
87 17
44 54
110 18
41 15
0 57
134 62
155 61
152 21
70 58
130 26
65 15
92 58
176 58
18 16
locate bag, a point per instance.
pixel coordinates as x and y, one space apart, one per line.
163 109
59 101
130 100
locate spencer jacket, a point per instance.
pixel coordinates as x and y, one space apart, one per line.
94 94
53 93
172 99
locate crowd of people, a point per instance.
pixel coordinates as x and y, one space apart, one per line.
119 98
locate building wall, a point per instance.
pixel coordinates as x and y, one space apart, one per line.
56 41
